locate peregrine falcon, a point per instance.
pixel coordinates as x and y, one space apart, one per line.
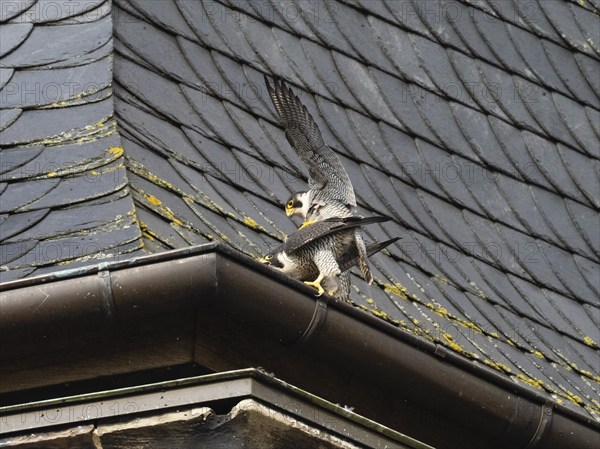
315 251
330 191
350 259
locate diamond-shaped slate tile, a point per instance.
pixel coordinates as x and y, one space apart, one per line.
166 14
483 95
586 222
578 124
466 29
533 15
547 158
566 67
562 18
534 57
513 144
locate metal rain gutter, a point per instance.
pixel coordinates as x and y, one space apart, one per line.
213 306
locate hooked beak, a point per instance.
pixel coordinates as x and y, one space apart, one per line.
290 211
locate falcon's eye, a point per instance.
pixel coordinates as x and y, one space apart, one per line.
290 204
268 257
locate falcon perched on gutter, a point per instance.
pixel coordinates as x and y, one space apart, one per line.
323 251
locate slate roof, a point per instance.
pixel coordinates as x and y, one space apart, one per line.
144 126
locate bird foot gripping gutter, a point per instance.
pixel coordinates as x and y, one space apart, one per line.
316 284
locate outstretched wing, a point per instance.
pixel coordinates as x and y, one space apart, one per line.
325 169
302 237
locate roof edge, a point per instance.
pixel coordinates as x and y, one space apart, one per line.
231 295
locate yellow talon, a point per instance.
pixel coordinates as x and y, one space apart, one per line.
306 223
316 284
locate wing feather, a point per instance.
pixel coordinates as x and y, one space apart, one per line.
302 237
325 169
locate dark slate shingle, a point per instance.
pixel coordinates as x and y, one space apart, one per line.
37 125
13 35
562 19
566 67
26 91
13 9
578 124
16 223
534 57
80 217
19 194
60 43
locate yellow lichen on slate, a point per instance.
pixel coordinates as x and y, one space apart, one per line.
146 232
574 398
590 342
250 223
380 313
497 366
142 171
449 340
538 354
163 210
443 312
539 384
441 279
117 151
398 289
152 199
89 133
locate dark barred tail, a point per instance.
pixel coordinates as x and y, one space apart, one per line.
363 263
343 291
